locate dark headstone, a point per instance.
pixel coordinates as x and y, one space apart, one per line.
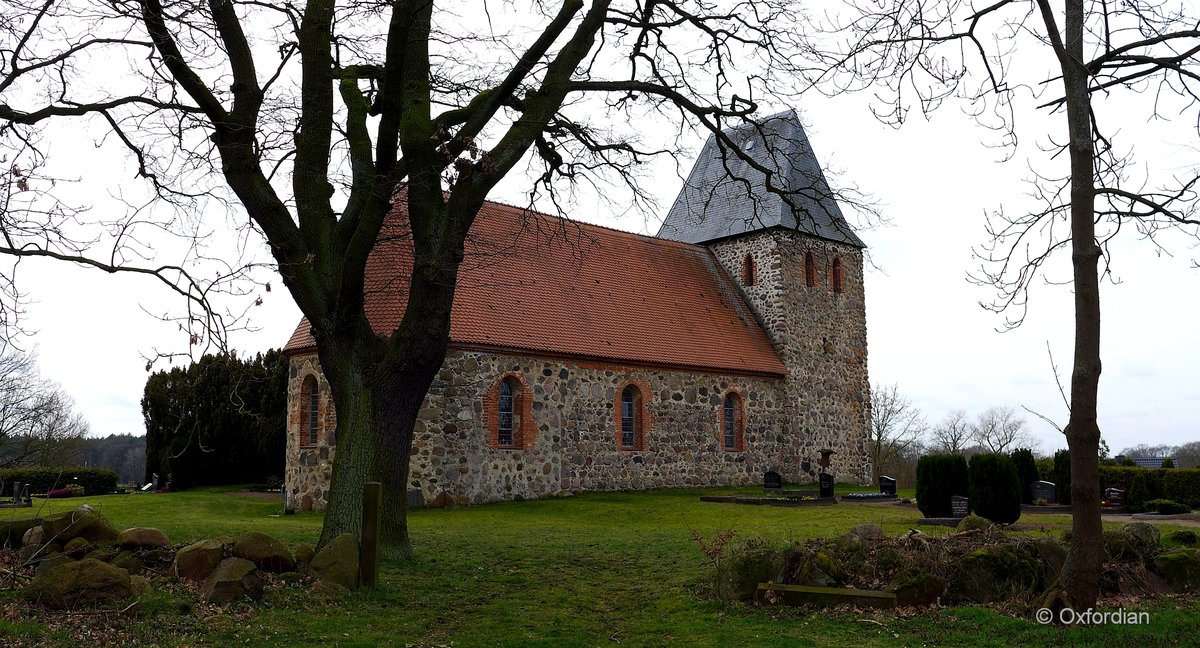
887 485
1114 496
826 481
772 481
1043 490
959 506
16 492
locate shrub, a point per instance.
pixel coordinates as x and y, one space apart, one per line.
1166 507
940 477
1027 473
1182 485
97 481
76 490
995 488
1168 463
1135 497
1062 475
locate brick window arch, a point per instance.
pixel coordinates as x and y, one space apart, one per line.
630 416
836 279
508 407
310 412
732 421
810 270
749 270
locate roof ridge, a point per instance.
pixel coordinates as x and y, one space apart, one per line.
646 237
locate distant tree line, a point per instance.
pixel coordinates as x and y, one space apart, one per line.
220 420
123 453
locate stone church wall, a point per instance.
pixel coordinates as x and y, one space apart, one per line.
575 445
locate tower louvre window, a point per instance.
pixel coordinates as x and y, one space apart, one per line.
749 271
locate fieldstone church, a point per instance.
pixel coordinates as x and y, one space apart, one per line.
583 358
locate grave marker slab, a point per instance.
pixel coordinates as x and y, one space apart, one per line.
772 481
1044 490
887 485
826 482
960 507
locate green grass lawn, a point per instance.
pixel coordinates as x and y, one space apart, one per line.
593 570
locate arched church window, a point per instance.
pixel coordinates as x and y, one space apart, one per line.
836 281
810 270
310 412
733 422
506 427
509 421
631 418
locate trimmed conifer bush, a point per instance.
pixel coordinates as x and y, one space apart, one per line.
995 488
940 477
1027 472
1062 476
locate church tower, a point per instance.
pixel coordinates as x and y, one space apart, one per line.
770 218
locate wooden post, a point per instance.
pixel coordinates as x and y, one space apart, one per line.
372 512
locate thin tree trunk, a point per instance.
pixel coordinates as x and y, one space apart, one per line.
1081 573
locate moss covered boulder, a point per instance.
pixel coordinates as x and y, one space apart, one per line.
83 523
1053 555
743 567
1143 537
1185 537
337 562
84 583
233 579
916 588
1180 568
142 537
267 553
77 548
196 561
972 523
995 574
867 531
819 570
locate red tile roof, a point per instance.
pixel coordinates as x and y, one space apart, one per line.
539 284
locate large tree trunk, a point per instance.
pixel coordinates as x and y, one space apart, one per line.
1081 574
379 384
374 434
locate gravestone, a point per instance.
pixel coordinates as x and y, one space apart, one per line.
1114 496
960 507
1043 490
16 492
826 481
772 481
887 485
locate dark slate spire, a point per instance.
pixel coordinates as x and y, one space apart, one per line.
725 195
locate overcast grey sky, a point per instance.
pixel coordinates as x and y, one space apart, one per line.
935 180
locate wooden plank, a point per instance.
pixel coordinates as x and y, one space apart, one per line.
823 596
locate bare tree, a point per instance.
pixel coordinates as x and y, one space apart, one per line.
952 434
999 428
309 117
1140 53
896 426
38 424
1188 455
